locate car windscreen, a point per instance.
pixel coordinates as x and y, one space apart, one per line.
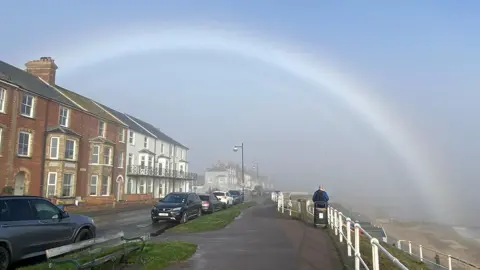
219 193
234 192
204 197
175 198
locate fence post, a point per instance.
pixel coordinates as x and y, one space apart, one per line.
410 247
349 238
421 252
290 206
340 226
449 262
335 220
357 246
375 255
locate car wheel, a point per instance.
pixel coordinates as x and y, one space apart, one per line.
4 258
84 234
184 218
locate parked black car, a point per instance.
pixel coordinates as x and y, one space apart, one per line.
237 196
177 206
210 203
29 225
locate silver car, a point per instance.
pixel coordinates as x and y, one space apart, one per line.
29 225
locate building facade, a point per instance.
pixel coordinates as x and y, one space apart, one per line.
59 144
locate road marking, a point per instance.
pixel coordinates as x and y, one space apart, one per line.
143 225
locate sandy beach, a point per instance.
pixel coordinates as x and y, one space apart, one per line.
433 236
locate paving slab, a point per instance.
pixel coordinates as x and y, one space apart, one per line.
260 239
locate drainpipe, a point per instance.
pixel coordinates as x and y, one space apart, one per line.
44 151
155 162
113 169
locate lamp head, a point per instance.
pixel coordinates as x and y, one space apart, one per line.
235 149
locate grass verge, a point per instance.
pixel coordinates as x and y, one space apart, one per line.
385 263
215 221
154 256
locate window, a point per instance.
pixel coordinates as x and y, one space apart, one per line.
93 185
142 187
67 185
170 150
54 147
19 209
120 160
70 149
1 132
44 210
121 135
142 161
128 190
150 161
24 144
107 154
162 148
26 107
160 165
3 99
149 186
130 159
104 190
131 137
145 142
51 184
101 128
63 119
95 154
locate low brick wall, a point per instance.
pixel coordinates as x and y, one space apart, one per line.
84 208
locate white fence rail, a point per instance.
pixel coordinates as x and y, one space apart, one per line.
342 227
434 257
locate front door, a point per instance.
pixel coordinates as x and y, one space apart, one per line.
19 184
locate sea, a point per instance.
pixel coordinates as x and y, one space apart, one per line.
468 232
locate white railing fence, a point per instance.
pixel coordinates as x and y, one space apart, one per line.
342 227
434 257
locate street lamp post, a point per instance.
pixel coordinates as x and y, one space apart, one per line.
235 149
255 166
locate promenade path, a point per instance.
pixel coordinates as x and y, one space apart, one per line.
261 239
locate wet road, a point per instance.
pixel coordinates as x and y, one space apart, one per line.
133 223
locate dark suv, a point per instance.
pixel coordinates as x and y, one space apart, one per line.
177 206
30 225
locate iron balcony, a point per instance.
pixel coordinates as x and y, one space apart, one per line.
139 170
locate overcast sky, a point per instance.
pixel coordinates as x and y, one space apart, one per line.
378 102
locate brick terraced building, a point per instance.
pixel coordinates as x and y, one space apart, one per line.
57 143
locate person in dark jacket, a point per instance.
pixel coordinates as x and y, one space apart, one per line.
320 197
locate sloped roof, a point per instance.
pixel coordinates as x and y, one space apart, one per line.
131 124
160 135
89 105
32 84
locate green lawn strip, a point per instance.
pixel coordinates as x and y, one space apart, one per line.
385 263
154 256
215 221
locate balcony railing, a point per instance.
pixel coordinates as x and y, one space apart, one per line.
139 170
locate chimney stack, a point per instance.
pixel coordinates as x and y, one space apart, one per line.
45 68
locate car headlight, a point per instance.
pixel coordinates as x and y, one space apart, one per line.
177 209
